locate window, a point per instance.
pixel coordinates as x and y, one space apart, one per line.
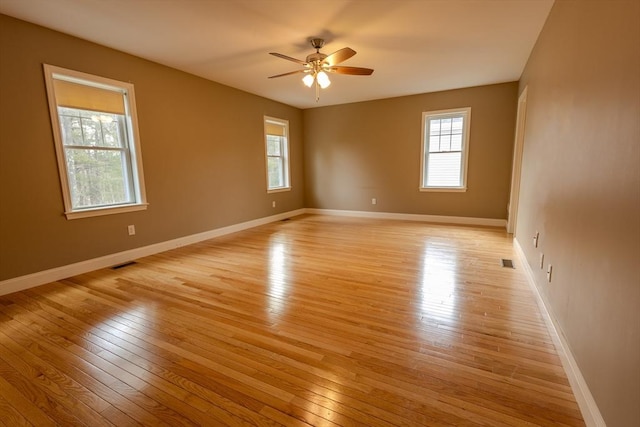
276 135
445 144
97 145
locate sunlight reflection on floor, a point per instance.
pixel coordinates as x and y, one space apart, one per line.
437 293
278 280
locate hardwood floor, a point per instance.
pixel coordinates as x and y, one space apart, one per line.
317 320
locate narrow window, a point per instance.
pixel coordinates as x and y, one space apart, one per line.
97 145
276 135
445 147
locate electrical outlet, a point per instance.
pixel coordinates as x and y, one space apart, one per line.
549 270
131 229
273 204
374 201
535 239
541 261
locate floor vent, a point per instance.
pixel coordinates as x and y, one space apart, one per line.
126 264
507 263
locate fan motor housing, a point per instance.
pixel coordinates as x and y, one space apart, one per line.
316 57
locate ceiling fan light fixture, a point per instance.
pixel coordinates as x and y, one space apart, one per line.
323 79
317 65
308 80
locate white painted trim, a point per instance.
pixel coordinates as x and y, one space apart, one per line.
40 278
465 112
462 220
109 210
586 402
51 73
516 171
285 153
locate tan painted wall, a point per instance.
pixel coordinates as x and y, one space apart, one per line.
581 190
202 149
356 152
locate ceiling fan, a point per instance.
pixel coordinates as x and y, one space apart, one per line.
317 65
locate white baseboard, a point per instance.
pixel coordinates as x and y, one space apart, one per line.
40 278
462 220
586 402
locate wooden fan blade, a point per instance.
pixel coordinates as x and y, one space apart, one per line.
354 71
288 74
288 58
338 56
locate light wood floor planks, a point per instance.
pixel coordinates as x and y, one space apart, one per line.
319 320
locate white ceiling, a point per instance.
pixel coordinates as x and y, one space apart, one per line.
415 46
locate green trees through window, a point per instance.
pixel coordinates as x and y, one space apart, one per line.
97 160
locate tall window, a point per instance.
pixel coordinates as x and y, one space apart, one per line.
445 147
276 135
97 145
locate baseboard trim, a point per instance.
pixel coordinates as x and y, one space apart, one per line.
586 402
40 278
460 220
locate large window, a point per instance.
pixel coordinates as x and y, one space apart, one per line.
445 144
97 145
276 135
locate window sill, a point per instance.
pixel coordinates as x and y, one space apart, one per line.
278 190
87 213
444 189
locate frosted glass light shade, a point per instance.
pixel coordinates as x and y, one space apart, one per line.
323 80
308 80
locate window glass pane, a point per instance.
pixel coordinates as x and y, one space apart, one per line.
445 143
276 172
445 126
273 145
443 169
457 124
111 132
456 142
71 130
434 143
91 132
434 126
90 128
97 177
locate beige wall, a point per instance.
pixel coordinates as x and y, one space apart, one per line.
581 190
356 152
202 149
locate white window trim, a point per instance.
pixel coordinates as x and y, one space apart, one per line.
51 71
287 178
466 111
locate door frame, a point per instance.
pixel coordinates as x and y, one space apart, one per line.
514 197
